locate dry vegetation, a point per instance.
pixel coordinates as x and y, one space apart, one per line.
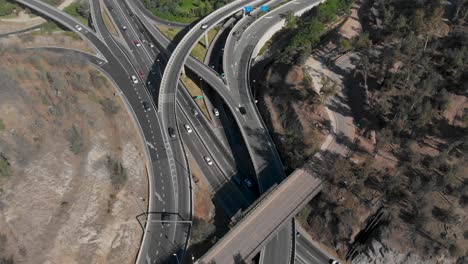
400 194
70 172
294 113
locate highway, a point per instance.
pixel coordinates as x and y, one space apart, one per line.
203 138
172 233
231 197
307 250
224 196
172 151
236 63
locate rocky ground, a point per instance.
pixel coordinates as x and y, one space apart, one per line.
72 171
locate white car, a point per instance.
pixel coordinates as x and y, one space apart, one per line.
332 261
151 45
134 79
188 128
215 111
78 27
204 26
124 28
208 160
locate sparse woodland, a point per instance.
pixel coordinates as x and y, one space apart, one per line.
413 66
413 70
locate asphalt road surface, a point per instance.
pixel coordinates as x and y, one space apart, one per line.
308 252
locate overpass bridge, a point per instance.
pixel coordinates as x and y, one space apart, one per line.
248 237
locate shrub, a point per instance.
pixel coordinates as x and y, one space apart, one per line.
444 215
6 7
118 174
97 79
3 243
74 137
201 230
5 167
109 107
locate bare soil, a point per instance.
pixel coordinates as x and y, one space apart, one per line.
352 26
39 39
203 207
77 175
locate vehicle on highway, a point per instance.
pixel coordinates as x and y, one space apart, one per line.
188 128
236 179
137 43
124 28
142 74
151 45
171 132
146 106
78 27
242 110
134 79
215 111
248 183
194 112
208 160
204 26
332 261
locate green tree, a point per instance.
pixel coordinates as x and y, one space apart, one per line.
291 20
346 45
328 90
6 7
83 8
5 167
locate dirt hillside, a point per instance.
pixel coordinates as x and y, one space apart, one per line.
72 173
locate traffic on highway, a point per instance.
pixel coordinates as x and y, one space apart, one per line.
147 67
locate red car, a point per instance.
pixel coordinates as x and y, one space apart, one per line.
142 74
137 43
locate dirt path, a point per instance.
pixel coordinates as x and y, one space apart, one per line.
336 107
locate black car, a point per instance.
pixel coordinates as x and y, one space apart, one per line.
242 110
171 132
146 106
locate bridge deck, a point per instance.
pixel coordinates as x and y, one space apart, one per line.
257 227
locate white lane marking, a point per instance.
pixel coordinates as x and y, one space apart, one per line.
158 196
151 145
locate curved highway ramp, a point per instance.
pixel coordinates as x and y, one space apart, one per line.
249 236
